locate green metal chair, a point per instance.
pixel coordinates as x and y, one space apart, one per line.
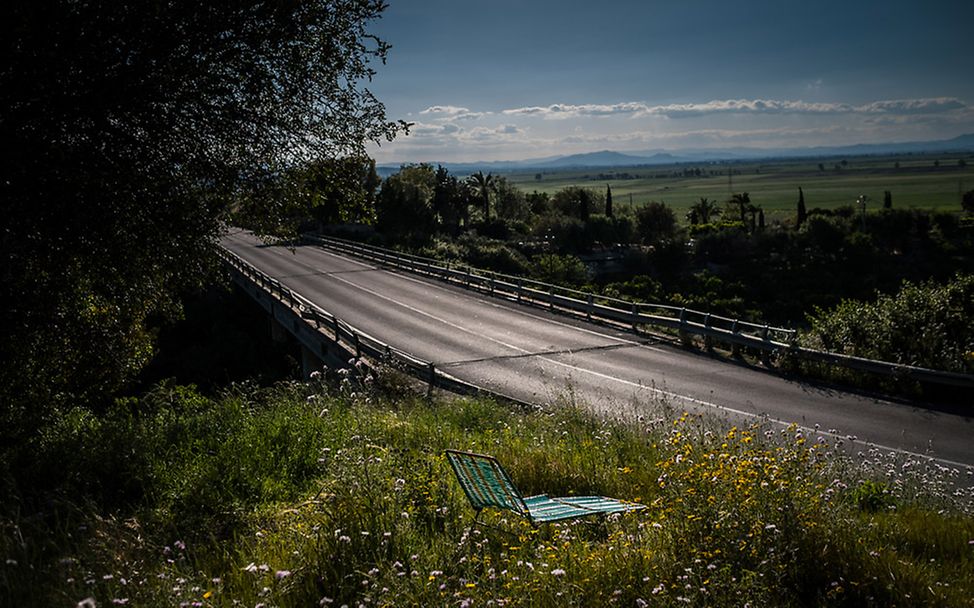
487 484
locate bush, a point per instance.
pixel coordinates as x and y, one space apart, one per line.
559 269
926 325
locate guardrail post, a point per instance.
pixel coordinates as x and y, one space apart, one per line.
708 340
468 277
735 347
491 285
551 298
358 345
588 309
338 330
766 351
684 336
635 316
432 380
519 287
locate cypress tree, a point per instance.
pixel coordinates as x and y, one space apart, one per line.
802 214
608 200
887 200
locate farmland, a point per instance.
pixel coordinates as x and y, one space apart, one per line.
915 181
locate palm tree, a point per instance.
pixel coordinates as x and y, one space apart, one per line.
743 202
705 210
484 184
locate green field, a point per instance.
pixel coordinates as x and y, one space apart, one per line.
773 185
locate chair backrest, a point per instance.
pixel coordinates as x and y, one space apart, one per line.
485 482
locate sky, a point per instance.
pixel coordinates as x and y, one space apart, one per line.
489 80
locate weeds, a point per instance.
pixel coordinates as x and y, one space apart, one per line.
336 493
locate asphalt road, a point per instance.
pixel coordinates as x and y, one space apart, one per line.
538 357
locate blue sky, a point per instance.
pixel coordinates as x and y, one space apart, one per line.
503 79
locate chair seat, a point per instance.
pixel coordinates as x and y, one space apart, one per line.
542 508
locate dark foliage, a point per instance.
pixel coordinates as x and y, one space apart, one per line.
127 132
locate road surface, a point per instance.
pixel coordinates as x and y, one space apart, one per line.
539 357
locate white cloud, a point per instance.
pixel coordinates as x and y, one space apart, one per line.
454 112
933 105
563 111
741 106
451 133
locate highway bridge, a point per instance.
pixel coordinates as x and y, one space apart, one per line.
540 357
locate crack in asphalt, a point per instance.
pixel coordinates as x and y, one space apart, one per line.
544 353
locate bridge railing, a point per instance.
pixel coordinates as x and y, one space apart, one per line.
352 339
686 322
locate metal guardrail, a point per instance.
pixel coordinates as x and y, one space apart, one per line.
355 341
737 333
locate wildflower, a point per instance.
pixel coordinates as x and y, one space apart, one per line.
251 568
88 602
281 574
558 572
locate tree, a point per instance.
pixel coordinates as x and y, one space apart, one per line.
887 200
128 133
451 199
484 184
510 203
967 201
608 200
705 210
802 213
655 223
577 202
405 205
742 201
339 191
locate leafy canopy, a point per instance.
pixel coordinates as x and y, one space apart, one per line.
128 131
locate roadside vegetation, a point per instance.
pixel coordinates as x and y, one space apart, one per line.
336 492
811 268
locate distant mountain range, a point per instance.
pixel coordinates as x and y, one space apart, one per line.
608 158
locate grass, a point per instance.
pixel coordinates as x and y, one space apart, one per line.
774 185
337 493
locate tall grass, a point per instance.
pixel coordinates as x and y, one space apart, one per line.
337 493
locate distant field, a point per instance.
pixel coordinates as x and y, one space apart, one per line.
773 185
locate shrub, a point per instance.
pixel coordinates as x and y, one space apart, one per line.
926 324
